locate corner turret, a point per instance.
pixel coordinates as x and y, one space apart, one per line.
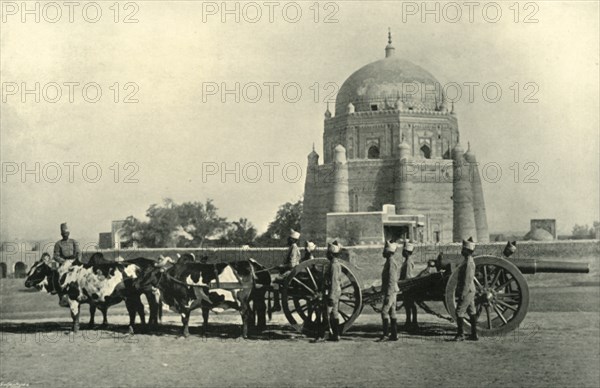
403 184
350 108
462 193
478 201
312 217
313 157
340 202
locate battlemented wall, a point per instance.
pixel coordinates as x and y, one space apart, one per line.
367 259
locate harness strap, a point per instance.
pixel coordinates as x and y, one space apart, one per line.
225 286
266 269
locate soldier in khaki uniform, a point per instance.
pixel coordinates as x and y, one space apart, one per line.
407 272
309 251
389 288
292 259
334 291
66 249
465 289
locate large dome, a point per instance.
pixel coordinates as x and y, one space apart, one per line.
538 234
379 85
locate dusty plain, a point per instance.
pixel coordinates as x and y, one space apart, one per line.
558 344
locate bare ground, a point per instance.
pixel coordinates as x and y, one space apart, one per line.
557 345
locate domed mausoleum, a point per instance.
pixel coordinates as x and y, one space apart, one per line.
393 166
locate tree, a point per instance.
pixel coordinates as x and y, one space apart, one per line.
239 233
288 217
172 225
582 232
200 221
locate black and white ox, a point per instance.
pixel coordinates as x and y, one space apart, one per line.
187 286
99 283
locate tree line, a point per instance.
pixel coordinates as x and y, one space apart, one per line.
198 224
581 232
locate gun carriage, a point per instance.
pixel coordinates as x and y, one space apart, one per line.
502 298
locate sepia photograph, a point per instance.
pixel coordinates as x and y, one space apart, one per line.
299 193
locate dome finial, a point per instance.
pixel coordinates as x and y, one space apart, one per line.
389 49
327 112
313 146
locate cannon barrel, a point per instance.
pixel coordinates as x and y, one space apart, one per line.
532 266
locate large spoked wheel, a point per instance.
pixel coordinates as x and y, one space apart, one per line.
304 297
502 296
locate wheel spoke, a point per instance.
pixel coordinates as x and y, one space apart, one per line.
346 316
489 318
479 309
348 302
479 286
506 305
300 309
485 277
304 285
496 277
312 278
514 302
509 295
497 310
503 285
347 285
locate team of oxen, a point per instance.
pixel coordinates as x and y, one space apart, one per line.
184 285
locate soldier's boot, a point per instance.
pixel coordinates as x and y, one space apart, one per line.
414 323
320 332
261 321
473 322
335 328
276 302
408 323
460 335
386 324
394 329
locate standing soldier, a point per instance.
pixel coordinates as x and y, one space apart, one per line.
334 291
293 255
292 259
66 249
465 289
389 287
407 272
309 250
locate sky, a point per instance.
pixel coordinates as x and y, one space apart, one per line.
167 123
